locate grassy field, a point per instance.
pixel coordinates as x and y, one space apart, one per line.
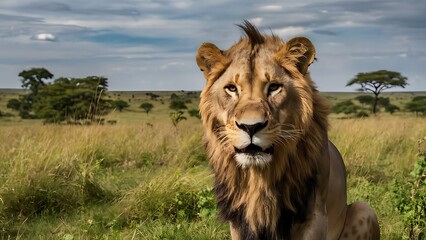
144 179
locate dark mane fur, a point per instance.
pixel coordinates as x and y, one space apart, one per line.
252 33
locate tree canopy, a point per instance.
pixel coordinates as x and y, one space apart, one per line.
378 81
365 99
72 99
120 105
32 79
146 106
14 104
177 105
417 105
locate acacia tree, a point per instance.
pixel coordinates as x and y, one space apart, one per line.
73 99
177 105
33 80
378 81
417 105
146 106
120 104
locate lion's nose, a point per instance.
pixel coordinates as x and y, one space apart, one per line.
251 129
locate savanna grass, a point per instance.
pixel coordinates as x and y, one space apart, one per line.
139 181
377 151
57 169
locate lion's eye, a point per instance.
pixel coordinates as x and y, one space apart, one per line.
231 88
274 88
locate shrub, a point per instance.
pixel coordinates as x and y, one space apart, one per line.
14 104
191 205
177 117
5 114
112 122
177 105
410 199
147 107
417 105
347 107
361 114
194 113
120 104
390 108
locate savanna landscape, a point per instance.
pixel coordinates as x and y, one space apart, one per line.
137 174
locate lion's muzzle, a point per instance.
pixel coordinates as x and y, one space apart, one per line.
250 153
252 128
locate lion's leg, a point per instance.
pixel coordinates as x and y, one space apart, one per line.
361 223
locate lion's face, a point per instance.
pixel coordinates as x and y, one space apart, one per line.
256 100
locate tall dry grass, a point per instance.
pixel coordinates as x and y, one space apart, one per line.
376 141
132 176
59 169
377 151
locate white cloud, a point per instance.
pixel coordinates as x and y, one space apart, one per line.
182 4
403 55
291 31
44 37
271 8
172 64
256 21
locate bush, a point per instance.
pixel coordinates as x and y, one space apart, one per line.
410 199
177 105
390 108
347 107
3 114
194 113
120 104
361 114
147 107
177 117
417 105
192 205
14 104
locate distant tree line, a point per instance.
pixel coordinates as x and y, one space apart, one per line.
81 100
63 99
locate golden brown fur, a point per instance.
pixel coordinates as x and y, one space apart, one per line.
263 82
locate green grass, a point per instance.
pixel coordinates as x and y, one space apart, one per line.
143 179
377 151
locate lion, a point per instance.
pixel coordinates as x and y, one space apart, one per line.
277 176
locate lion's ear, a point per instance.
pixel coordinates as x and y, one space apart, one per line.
301 52
211 61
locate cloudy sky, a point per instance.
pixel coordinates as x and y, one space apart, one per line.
151 44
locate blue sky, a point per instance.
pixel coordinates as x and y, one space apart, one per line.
151 44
